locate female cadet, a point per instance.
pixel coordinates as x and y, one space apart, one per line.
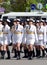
30 38
1 35
13 38
42 37
24 40
18 34
45 25
36 43
6 39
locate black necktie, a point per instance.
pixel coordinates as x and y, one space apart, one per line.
16 27
29 27
39 27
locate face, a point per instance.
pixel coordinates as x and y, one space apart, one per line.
34 23
17 22
14 23
37 24
41 23
26 23
22 23
44 23
0 22
30 23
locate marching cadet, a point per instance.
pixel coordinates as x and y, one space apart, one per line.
6 38
36 43
30 37
24 39
13 38
21 46
42 37
1 35
45 25
17 38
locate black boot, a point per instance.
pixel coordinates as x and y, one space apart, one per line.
2 57
46 50
33 53
43 53
25 53
18 55
30 55
15 52
29 58
8 53
36 52
39 52
2 54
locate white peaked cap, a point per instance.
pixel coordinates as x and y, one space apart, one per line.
41 20
27 19
18 19
1 20
38 21
8 20
31 19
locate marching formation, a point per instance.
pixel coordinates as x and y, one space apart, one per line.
31 36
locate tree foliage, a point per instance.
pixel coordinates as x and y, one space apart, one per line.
21 5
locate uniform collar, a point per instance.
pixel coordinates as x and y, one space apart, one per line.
41 26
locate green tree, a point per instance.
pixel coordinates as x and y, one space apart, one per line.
22 5
18 5
7 5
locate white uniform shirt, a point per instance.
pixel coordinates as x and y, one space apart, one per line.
1 30
18 34
46 32
42 34
46 36
1 34
6 35
31 34
24 34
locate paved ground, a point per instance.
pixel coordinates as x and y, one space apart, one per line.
24 62
12 61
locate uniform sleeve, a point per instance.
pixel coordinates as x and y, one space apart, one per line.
24 36
9 35
36 37
44 35
22 31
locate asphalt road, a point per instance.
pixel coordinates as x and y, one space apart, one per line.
23 61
